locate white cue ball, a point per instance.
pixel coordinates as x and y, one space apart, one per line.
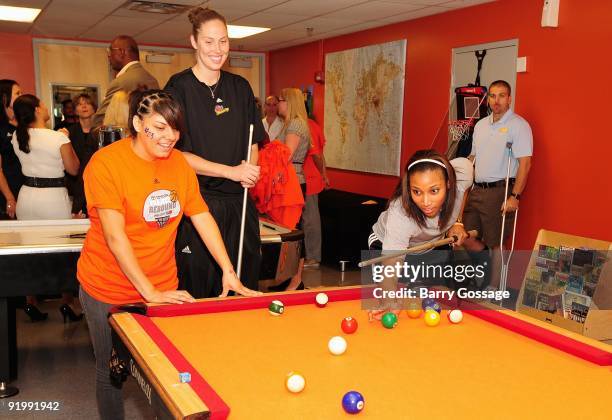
321 299
295 382
455 316
337 345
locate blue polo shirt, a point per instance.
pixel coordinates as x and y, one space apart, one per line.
489 146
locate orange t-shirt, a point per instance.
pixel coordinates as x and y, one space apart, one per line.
314 179
152 196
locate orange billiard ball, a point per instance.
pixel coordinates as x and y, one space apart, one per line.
414 310
414 313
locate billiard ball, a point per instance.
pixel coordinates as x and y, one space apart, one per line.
389 320
321 300
336 345
455 316
435 307
353 402
295 382
427 302
432 318
349 325
413 311
276 308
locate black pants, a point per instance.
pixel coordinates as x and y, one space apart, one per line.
198 272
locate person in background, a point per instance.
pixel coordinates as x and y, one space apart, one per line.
85 145
118 111
259 107
69 116
44 155
11 178
272 123
315 172
295 134
124 58
485 205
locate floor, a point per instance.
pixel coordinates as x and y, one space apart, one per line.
56 362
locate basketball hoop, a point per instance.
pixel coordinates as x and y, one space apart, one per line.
458 130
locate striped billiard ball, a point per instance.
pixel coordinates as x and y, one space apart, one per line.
276 308
353 402
427 302
455 316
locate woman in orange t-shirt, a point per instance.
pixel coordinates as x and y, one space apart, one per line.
137 190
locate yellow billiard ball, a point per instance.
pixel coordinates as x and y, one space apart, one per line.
432 318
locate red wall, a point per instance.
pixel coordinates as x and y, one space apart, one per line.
564 95
17 60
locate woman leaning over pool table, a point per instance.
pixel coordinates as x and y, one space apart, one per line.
137 190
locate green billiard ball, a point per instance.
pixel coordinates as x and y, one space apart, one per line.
276 308
389 320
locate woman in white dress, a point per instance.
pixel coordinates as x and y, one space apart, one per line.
44 155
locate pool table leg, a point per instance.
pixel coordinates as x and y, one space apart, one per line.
8 348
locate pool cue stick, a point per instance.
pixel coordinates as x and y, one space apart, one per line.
422 247
244 204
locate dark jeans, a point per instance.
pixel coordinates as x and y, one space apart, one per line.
108 397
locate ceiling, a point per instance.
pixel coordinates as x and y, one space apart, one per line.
289 19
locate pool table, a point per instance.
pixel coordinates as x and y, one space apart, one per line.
40 256
494 364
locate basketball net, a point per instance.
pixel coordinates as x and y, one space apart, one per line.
458 130
161 221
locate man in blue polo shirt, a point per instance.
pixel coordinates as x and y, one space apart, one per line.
485 204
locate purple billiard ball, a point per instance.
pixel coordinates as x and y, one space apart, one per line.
353 402
427 302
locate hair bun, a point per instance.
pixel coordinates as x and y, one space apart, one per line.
194 14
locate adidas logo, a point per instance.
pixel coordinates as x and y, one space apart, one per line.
186 250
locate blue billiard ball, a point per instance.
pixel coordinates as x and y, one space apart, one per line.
353 402
427 302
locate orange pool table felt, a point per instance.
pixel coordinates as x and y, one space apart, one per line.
239 357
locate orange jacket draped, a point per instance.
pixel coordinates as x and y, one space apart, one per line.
278 193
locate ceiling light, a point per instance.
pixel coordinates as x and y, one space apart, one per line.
237 31
18 14
154 7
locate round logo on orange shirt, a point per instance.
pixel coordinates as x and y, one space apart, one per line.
161 207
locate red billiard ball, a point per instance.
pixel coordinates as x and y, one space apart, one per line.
349 325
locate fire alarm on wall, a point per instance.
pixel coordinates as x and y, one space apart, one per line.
319 76
550 14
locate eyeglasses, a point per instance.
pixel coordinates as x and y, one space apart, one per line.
109 50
